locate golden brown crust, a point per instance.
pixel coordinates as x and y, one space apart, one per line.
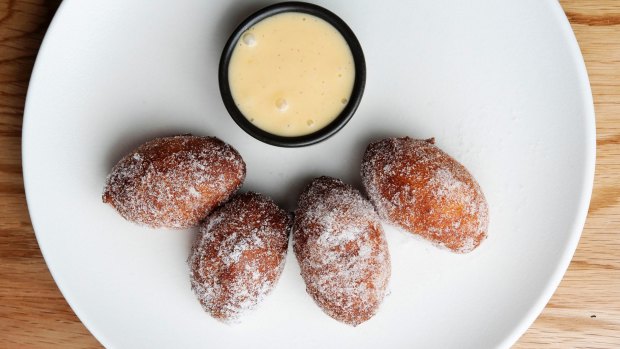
341 249
174 181
239 255
416 186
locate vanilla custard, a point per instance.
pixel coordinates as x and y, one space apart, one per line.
291 74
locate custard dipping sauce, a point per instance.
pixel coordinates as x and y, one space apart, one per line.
291 74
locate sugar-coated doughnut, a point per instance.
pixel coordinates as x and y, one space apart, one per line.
239 255
341 249
416 186
174 182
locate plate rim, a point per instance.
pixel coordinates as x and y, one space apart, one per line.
587 186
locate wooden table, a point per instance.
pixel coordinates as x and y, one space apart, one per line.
583 313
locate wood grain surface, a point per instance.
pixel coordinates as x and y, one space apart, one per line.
583 313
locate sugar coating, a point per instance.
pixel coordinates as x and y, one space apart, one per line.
341 249
174 181
239 255
419 188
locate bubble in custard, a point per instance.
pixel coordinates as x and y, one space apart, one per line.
249 39
281 104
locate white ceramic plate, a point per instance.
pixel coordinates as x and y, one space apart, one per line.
500 84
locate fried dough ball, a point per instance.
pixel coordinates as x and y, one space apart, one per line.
419 188
174 182
239 255
341 249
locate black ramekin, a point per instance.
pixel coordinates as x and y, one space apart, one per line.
356 93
